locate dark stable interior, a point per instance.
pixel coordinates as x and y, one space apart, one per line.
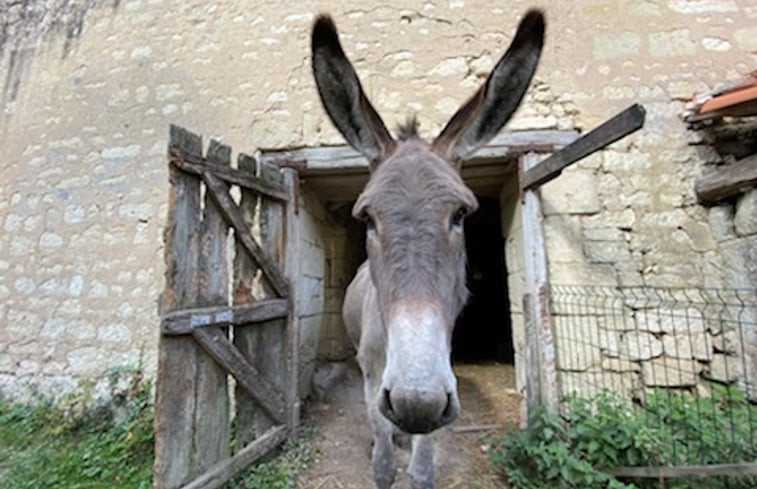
483 331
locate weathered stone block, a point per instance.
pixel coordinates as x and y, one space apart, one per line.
580 273
607 251
667 219
613 318
676 42
589 384
114 333
695 346
609 344
619 365
669 372
310 295
577 342
640 345
740 259
699 235
87 361
312 260
671 321
616 45
746 39
702 6
624 219
622 163
729 342
745 219
575 192
718 44
724 368
561 237
604 234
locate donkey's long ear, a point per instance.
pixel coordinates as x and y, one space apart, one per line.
343 97
484 114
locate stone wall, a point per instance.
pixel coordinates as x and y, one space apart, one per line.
632 340
91 86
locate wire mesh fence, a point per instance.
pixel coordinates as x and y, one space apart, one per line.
686 359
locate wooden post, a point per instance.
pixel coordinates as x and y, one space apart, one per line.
212 408
292 270
540 349
175 450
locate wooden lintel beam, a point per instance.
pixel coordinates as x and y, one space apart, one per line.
192 163
608 132
187 320
727 181
330 159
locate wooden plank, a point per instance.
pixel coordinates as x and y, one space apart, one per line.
197 164
331 159
727 181
220 473
187 320
715 470
251 419
272 352
211 417
219 191
608 132
292 269
536 307
175 383
223 351
476 428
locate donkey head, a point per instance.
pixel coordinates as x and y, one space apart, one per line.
413 207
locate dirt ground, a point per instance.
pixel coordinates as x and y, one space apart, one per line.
342 439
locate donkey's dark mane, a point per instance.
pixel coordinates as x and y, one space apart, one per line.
408 130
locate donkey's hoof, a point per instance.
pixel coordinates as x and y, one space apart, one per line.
384 482
421 483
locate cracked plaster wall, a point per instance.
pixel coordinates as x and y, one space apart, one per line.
91 86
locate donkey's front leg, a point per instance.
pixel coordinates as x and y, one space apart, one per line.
382 455
422 462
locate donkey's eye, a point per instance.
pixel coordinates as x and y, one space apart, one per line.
458 216
370 224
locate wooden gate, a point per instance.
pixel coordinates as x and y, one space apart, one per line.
226 391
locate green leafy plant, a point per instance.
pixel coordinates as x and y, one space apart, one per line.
672 428
543 456
282 471
76 442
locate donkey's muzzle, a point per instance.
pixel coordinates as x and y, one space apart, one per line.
419 411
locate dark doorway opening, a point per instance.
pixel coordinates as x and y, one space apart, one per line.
483 331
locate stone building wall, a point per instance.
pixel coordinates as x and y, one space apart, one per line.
90 86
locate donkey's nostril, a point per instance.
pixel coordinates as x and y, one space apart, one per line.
449 413
388 401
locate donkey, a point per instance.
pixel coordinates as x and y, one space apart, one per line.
400 308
